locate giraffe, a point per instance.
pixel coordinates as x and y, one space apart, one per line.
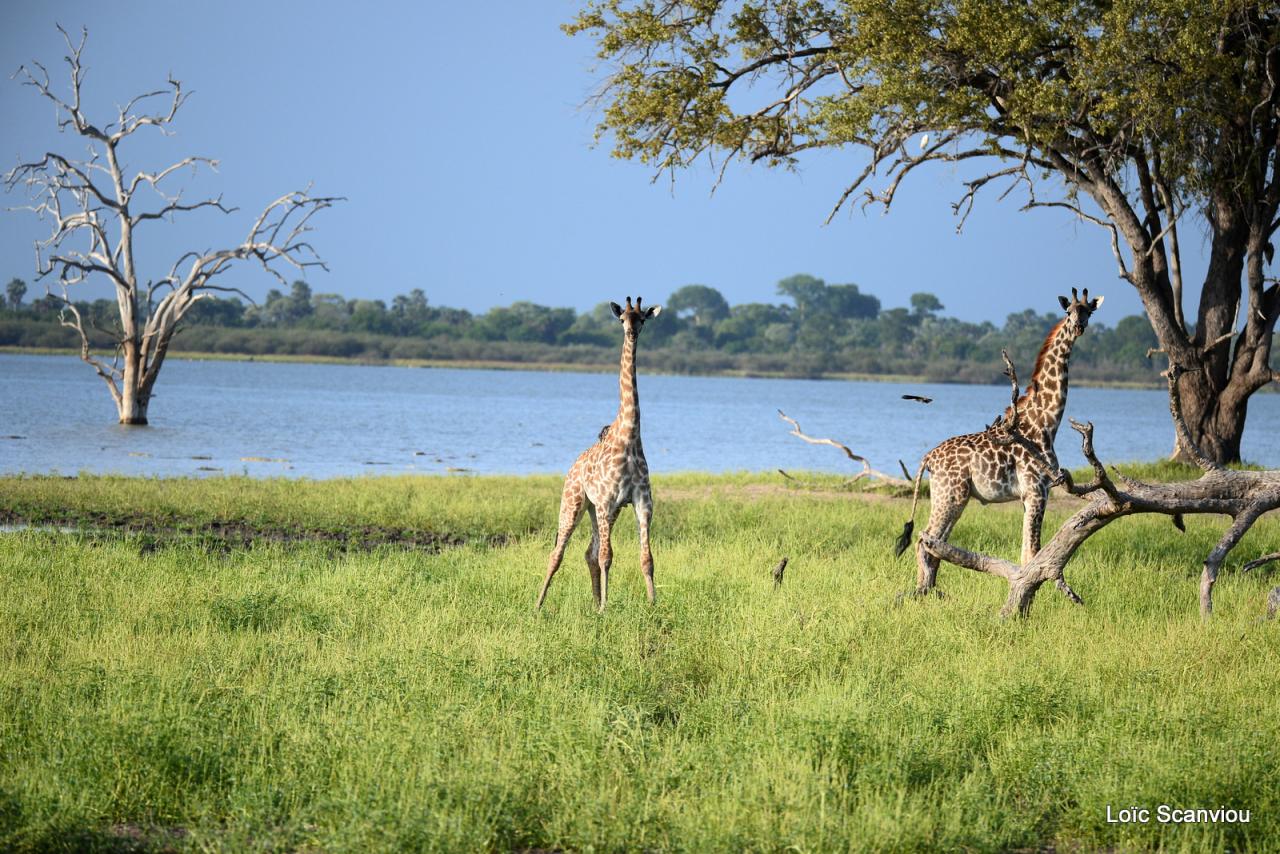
993 466
609 475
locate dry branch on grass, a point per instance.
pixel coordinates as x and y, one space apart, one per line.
1243 495
867 470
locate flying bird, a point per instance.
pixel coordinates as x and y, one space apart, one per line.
917 398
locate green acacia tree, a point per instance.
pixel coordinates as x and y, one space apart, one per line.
16 290
705 305
1136 115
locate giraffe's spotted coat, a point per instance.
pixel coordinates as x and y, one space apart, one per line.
990 468
609 475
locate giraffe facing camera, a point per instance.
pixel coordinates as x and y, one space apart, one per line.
610 474
996 465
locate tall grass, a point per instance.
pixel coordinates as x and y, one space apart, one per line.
305 697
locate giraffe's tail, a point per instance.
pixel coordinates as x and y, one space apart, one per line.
904 539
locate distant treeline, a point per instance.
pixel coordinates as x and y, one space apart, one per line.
821 329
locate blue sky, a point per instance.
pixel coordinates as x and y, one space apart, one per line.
457 134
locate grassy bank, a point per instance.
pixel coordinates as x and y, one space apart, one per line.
178 693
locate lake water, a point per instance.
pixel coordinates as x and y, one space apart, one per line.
269 419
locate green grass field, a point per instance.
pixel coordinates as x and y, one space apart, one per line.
164 687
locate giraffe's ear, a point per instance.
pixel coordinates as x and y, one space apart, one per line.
1095 302
617 309
652 311
1064 302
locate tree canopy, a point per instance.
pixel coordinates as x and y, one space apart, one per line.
1133 115
16 290
705 305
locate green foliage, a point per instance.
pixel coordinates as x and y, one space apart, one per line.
925 305
814 297
15 291
830 329
292 697
987 74
524 321
705 306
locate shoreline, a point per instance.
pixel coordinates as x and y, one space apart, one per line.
560 367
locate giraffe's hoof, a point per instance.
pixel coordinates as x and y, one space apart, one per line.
926 592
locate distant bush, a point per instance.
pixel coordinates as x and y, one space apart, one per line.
830 329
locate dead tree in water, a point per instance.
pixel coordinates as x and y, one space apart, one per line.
97 208
1243 495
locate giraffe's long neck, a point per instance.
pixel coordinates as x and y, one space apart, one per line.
628 420
1042 407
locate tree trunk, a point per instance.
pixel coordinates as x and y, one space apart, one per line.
1215 419
1215 395
134 393
1021 594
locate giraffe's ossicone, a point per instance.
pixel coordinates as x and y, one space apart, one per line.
610 474
989 466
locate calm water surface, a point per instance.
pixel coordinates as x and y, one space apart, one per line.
269 419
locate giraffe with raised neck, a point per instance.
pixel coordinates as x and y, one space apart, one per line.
994 466
610 474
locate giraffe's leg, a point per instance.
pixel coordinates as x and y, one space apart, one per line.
571 502
593 555
1033 503
644 512
947 501
604 530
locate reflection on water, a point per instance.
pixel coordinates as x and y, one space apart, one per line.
269 420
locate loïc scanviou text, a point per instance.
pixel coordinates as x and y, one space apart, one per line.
1166 814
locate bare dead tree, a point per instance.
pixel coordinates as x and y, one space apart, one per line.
97 207
867 470
1243 495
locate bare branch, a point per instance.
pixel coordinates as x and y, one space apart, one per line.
1262 561
128 124
108 373
969 560
867 470
154 178
1100 478
1123 271
178 207
733 76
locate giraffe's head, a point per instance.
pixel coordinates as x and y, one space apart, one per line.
633 317
1078 310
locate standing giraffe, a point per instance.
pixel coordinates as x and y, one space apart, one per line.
993 467
609 475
